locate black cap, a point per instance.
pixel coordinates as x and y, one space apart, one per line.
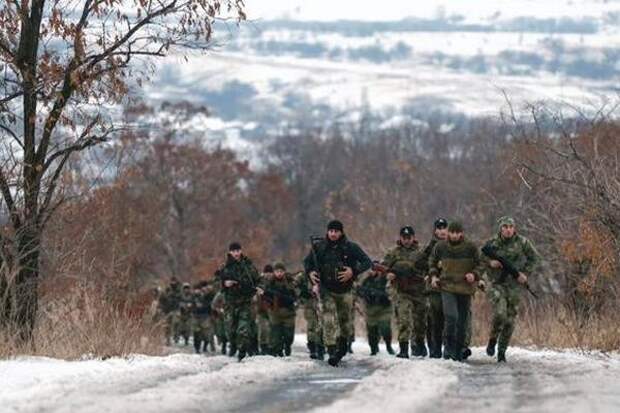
268 268
440 223
407 231
335 225
234 246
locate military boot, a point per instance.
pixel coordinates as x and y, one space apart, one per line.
232 350
339 351
501 356
224 348
333 359
419 350
404 350
374 346
313 350
388 347
241 355
287 351
320 351
466 353
491 347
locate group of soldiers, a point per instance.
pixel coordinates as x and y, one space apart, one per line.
427 289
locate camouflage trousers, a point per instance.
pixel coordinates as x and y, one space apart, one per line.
313 325
220 328
240 325
282 330
378 323
412 317
204 331
505 303
336 316
172 325
264 329
184 326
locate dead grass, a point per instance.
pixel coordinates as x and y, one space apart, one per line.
86 324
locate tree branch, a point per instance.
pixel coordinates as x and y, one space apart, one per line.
8 200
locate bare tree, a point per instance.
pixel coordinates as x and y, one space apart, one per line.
63 62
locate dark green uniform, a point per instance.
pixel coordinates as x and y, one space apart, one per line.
169 306
185 313
240 325
308 302
202 323
435 320
280 293
372 290
405 263
217 305
504 293
450 262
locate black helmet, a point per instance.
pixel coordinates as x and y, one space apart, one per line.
407 231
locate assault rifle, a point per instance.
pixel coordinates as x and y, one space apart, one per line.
507 267
384 270
316 288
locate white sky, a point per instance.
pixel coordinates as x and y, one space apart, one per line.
397 9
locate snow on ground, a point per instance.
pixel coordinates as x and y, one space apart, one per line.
533 380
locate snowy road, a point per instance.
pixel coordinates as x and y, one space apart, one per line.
532 381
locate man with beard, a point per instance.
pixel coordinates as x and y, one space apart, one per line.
505 291
332 265
454 269
405 270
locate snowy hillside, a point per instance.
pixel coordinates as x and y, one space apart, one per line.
454 56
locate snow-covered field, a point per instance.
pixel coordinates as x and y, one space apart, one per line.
531 381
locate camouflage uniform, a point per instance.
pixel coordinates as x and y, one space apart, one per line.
280 293
435 320
169 306
217 305
185 318
309 304
504 293
411 299
450 261
336 297
202 320
240 325
372 290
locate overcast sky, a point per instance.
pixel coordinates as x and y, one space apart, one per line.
397 9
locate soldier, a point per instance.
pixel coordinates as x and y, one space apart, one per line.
185 309
218 314
309 303
239 280
202 320
279 291
505 291
454 269
262 315
169 307
333 265
434 332
373 291
404 269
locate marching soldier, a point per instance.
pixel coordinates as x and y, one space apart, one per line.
309 304
169 306
372 289
239 280
505 291
262 315
454 269
405 270
333 265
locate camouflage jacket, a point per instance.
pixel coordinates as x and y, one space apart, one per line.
303 288
372 290
202 304
246 276
405 263
330 257
519 251
451 261
280 293
170 299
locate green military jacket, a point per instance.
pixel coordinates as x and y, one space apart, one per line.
281 295
517 250
170 299
405 263
451 261
246 276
